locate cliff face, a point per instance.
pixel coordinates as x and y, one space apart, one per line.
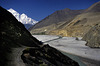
93 37
14 35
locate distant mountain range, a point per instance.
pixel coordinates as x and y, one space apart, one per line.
69 22
23 18
59 16
73 23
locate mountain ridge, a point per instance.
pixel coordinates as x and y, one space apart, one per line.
94 8
78 26
23 18
56 17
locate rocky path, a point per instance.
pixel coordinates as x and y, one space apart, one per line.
15 57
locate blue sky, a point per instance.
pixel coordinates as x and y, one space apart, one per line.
39 9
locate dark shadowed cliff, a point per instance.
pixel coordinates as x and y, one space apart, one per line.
12 34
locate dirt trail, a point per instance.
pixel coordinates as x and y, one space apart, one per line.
15 57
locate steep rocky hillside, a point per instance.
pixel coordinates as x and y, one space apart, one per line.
47 29
54 20
78 26
93 36
82 23
94 8
14 36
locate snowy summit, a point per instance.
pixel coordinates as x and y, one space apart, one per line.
23 18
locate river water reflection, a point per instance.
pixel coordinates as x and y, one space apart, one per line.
75 58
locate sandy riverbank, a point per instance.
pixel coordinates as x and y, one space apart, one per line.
89 56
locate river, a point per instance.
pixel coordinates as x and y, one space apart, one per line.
73 48
75 58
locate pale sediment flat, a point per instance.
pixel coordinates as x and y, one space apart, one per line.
45 38
73 46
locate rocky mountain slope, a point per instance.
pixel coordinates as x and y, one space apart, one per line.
23 18
82 23
94 8
55 20
78 26
13 35
93 36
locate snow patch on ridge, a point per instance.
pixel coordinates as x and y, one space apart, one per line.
23 18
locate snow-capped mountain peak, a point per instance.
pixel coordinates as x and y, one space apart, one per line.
27 20
23 18
16 14
12 10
